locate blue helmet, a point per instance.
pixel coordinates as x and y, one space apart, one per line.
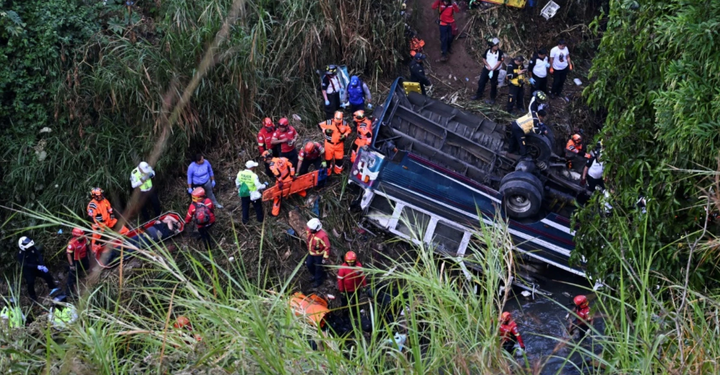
354 81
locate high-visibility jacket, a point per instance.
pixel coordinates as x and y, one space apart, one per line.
350 278
364 132
509 332
101 212
318 243
136 177
314 154
584 314
312 307
528 123
78 247
574 148
13 316
249 179
337 131
61 317
281 168
513 74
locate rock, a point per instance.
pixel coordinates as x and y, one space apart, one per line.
42 155
45 130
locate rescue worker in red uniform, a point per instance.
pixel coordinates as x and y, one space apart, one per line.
509 333
335 131
364 133
284 174
311 154
318 251
582 321
350 278
77 250
574 150
265 141
286 136
202 211
101 213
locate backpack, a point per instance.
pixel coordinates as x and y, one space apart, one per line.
202 214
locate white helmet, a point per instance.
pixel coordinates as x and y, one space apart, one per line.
144 167
314 224
25 243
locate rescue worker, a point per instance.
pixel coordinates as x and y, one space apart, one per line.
575 150
330 86
516 76
286 136
593 171
202 210
33 266
76 252
448 28
538 102
249 187
364 133
417 72
335 132
350 278
101 213
560 65
509 333
538 67
264 137
357 94
534 122
284 174
492 60
183 323
141 177
581 320
200 174
311 154
318 251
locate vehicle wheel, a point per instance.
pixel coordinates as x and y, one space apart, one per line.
521 199
523 176
539 147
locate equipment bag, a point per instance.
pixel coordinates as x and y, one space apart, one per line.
202 214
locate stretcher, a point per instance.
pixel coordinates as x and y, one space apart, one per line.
109 256
302 183
311 307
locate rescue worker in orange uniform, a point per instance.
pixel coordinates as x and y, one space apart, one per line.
265 141
318 251
574 149
509 333
335 131
350 278
77 250
582 320
364 133
311 154
284 174
101 213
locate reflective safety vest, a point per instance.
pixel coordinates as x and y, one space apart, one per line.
13 316
137 176
246 178
526 123
60 318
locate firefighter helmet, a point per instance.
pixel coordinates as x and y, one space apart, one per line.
577 138
338 116
283 122
580 301
350 257
77 232
96 192
314 224
505 317
198 194
25 243
309 147
359 115
267 122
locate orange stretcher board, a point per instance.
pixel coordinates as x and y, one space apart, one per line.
510 3
302 183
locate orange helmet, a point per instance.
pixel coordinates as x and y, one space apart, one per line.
338 116
577 138
359 115
77 232
267 154
505 317
198 194
283 122
309 147
182 322
96 192
580 301
267 122
350 257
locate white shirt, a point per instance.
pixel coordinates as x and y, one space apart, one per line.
596 170
492 58
559 57
333 85
540 70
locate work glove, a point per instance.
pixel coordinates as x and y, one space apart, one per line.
491 74
324 261
552 70
547 64
189 190
344 105
323 164
213 183
532 81
369 106
327 103
43 269
152 174
144 178
72 268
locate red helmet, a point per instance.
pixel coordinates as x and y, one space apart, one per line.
283 122
350 257
267 122
359 115
580 301
505 317
198 194
309 147
182 322
77 232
